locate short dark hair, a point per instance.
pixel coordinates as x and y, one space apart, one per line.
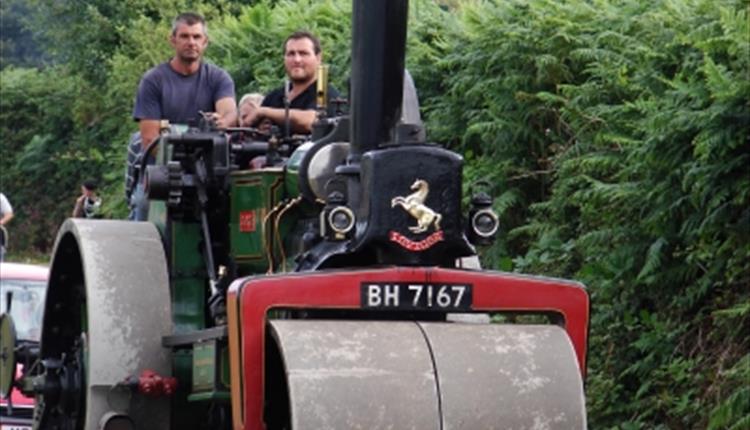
90 184
188 18
304 34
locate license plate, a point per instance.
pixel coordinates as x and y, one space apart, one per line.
15 427
398 295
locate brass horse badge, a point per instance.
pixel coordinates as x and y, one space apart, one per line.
414 205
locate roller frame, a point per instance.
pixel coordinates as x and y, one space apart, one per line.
250 300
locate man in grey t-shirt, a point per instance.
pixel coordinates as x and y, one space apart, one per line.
180 89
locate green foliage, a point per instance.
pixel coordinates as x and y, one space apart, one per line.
36 149
622 129
616 135
86 34
17 46
734 411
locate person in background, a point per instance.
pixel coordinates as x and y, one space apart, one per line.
302 56
6 214
181 90
247 105
88 203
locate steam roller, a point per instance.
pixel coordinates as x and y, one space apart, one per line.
292 369
333 285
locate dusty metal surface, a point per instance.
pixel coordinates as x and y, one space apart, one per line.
127 295
501 376
381 375
357 375
7 353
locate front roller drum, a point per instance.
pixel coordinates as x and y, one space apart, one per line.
356 375
505 376
421 375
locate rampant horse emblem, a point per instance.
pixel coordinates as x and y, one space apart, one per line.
414 205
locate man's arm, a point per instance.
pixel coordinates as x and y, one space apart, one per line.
78 208
301 120
226 112
6 209
149 131
148 109
6 218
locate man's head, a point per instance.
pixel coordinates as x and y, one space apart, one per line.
88 188
302 56
189 38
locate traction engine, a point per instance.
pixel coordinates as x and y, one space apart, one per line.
322 283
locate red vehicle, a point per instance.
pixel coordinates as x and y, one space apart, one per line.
26 285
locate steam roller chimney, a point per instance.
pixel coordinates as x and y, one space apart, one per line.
378 50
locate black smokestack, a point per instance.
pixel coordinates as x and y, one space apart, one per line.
378 49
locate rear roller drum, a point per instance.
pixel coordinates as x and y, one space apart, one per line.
106 311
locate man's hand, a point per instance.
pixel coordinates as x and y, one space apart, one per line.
249 113
300 120
219 121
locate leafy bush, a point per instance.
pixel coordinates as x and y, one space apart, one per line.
621 132
40 161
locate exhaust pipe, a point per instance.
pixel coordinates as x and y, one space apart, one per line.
378 50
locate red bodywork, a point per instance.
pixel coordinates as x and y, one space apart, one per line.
22 406
492 291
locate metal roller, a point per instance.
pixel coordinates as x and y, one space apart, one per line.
407 375
357 375
119 270
505 376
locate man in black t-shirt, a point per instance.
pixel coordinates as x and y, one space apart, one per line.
302 56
